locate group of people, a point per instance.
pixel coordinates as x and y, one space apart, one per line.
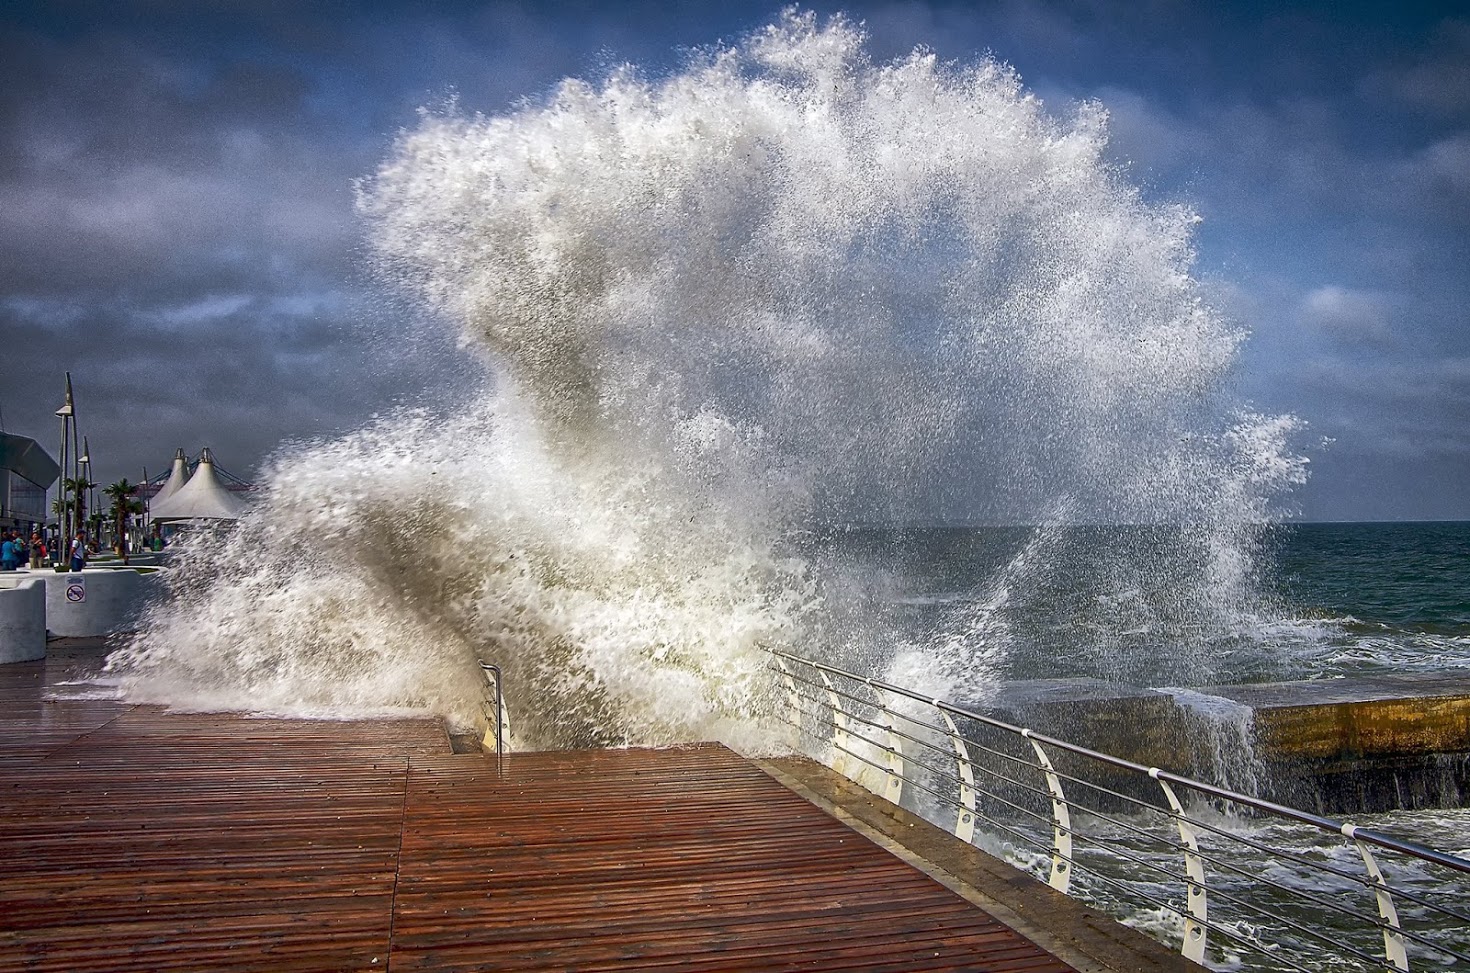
15 550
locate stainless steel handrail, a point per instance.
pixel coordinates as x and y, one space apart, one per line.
849 713
497 725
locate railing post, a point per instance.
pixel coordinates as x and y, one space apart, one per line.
497 722
841 741
1196 932
964 822
893 757
793 698
1061 819
1393 937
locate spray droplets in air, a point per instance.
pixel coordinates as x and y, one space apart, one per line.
783 286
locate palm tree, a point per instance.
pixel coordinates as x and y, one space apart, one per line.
78 487
120 492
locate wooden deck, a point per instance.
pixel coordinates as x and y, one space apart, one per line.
135 839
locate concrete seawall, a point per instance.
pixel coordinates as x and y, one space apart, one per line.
1371 743
1338 746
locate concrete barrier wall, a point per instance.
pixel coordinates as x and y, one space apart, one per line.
22 618
110 600
1355 745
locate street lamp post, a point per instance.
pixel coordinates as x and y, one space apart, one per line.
67 414
86 496
146 494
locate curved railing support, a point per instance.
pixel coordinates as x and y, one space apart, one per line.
964 822
1196 899
793 696
1393 936
841 723
892 749
1061 820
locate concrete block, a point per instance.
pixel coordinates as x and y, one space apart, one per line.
95 601
22 618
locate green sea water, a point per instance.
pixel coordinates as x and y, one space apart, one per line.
1377 597
1141 606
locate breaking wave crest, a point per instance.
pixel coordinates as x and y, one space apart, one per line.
783 286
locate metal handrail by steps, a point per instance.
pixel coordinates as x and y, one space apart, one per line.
492 709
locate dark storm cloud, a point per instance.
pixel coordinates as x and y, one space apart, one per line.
1434 79
123 161
179 234
1403 426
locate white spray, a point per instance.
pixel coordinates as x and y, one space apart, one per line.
784 285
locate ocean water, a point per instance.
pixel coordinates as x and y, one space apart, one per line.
1323 600
1375 597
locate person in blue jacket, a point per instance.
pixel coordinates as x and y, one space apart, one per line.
9 556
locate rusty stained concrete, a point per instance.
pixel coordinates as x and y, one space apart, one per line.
1365 717
1356 744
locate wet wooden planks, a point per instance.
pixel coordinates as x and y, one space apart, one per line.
160 841
32 723
686 859
136 839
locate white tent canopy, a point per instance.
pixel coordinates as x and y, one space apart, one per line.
176 479
202 497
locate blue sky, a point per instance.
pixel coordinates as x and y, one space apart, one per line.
177 226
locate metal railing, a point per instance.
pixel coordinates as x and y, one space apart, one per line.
1296 890
492 708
